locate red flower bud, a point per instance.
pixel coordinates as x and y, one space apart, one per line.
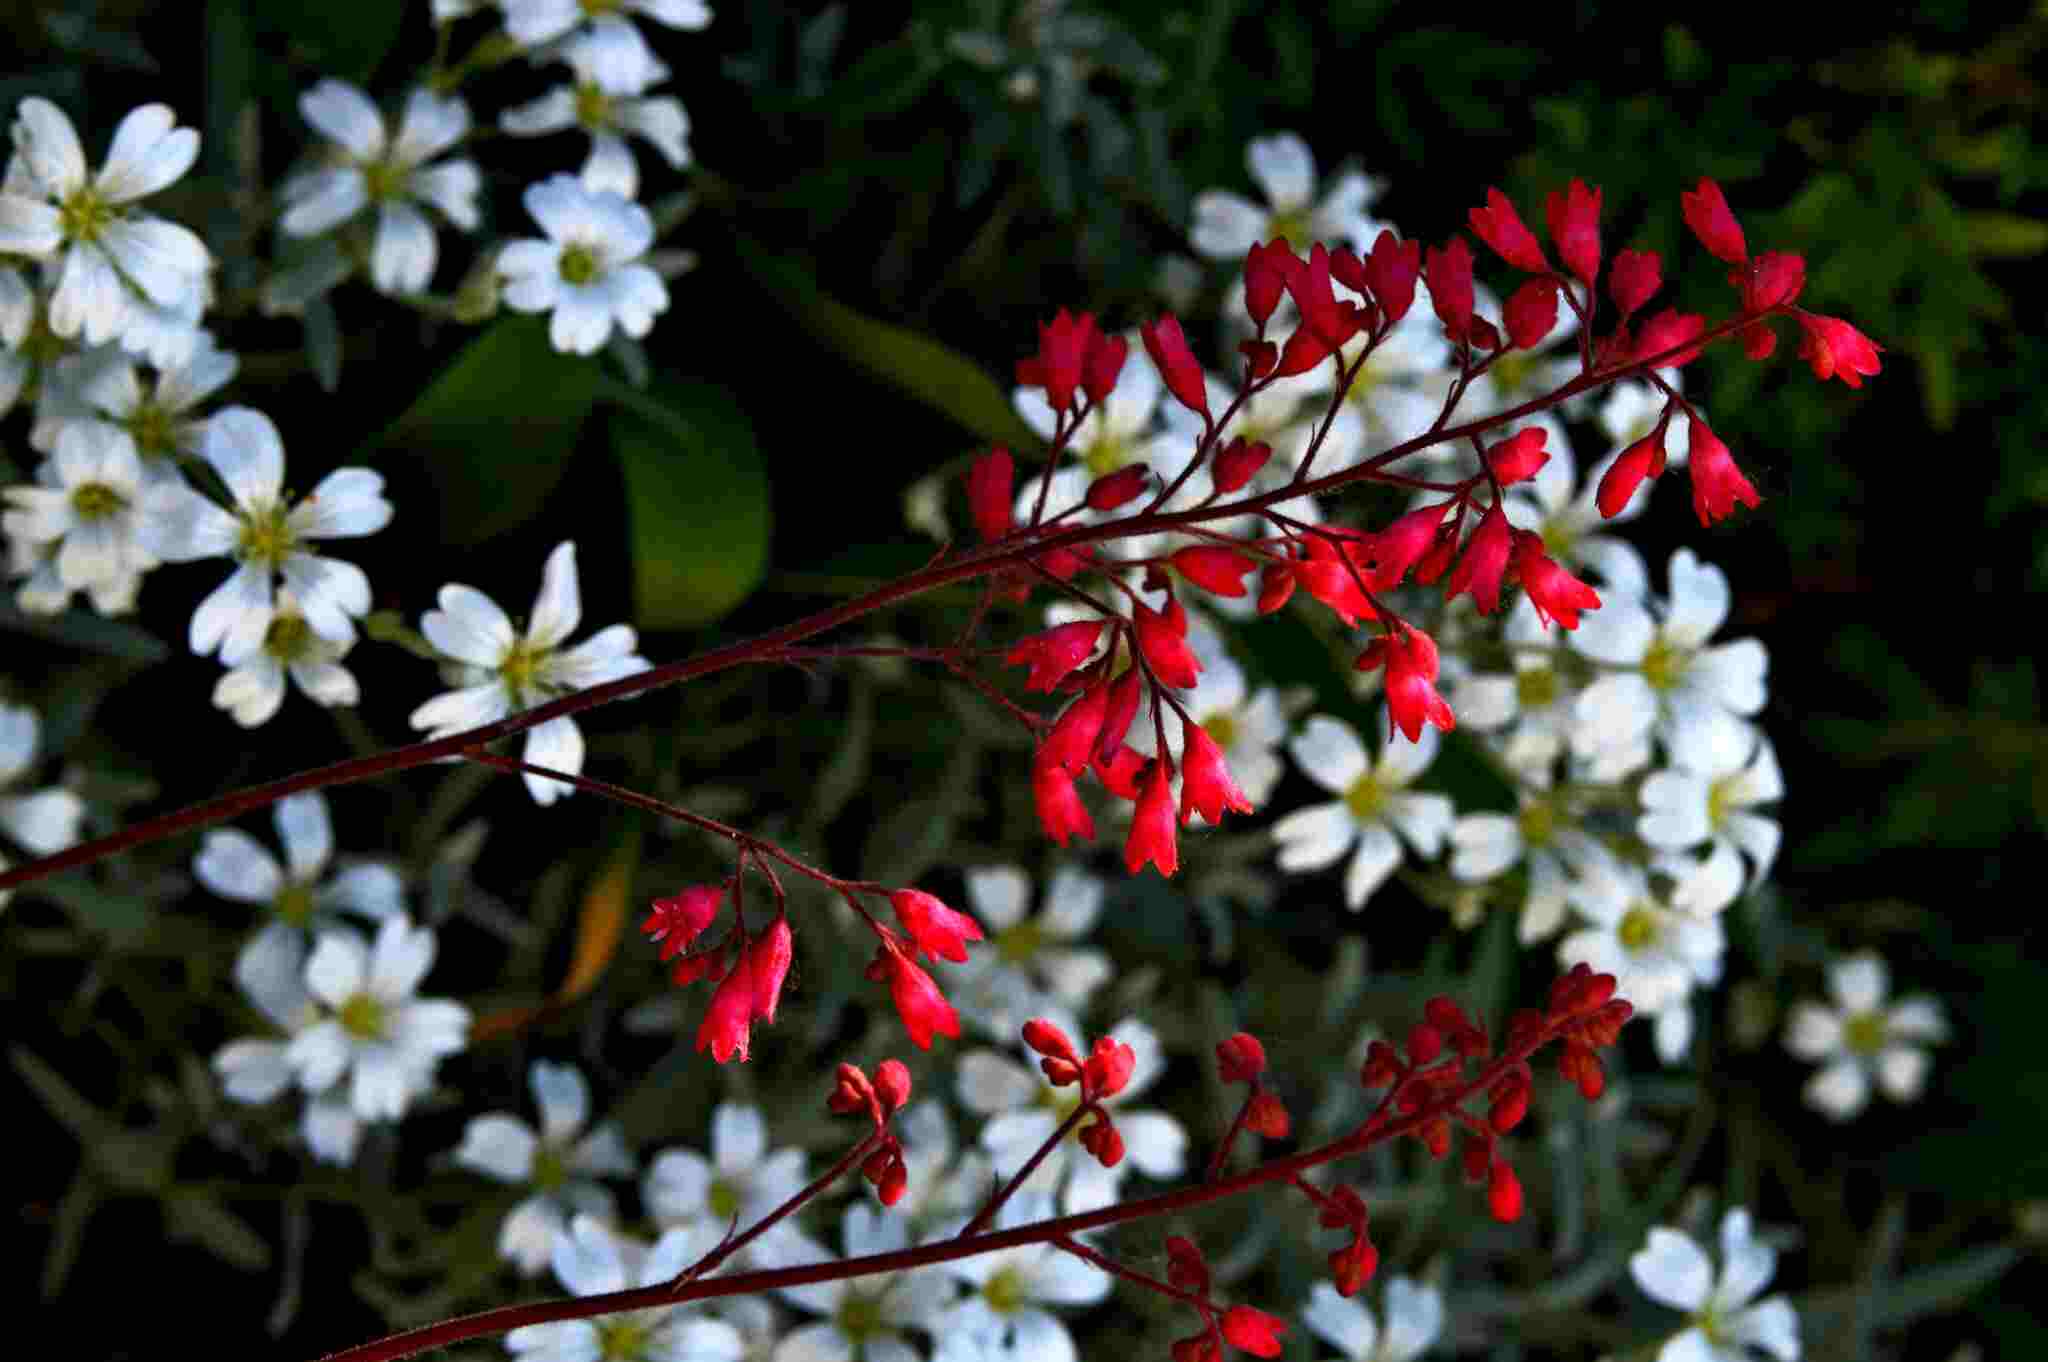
1477 1157
1063 345
1102 363
1240 1059
1836 349
1382 1066
1667 329
1509 1108
1634 280
1555 593
1276 585
1267 268
892 1084
1260 356
940 932
1185 1266
1486 559
1450 286
1352 1266
1618 484
1425 1043
1390 272
1333 579
1112 490
1394 550
1504 1194
1165 649
726 1028
989 492
1176 363
1774 279
895 1180
1500 226
1101 1138
1071 743
1717 484
1267 1115
1255 1331
1205 784
1124 694
1051 655
1238 462
1412 698
768 960
676 922
1213 568
1530 313
1152 835
1574 218
1109 1066
1707 213
852 1092
1123 771
1048 1040
1519 457
1305 349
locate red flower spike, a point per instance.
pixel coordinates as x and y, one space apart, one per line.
1101 1138
1500 226
1108 1068
1255 1331
1450 287
1390 272
1075 735
1276 586
1123 772
1152 835
1120 488
1238 462
1707 213
676 922
1775 279
1530 313
990 493
1574 218
1626 473
1063 345
1213 568
892 1085
1665 330
726 1028
941 933
1519 457
1205 783
852 1092
1634 280
1717 484
768 960
1267 1115
1165 648
1051 655
1425 1043
1479 572
1124 694
1102 363
924 1010
1186 1268
1554 592
1240 1059
1412 698
1504 1194
1177 365
1836 349
1394 550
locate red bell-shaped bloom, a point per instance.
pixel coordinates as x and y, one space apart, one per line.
1241 1058
1500 226
924 1010
1213 568
1267 268
990 494
1390 272
1255 1331
768 960
1626 473
1479 572
1450 286
1151 838
1165 648
1634 280
1060 810
1530 312
1554 592
1055 652
1176 363
1717 484
1519 457
1396 548
1574 218
941 933
676 922
1205 784
727 1026
1101 363
1836 349
1119 488
1707 213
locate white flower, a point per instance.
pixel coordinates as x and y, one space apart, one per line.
1520 375
299 898
939 1186
1722 1326
1655 952
742 1179
44 821
499 670
532 22
84 227
253 690
1860 1036
1031 966
1373 802
591 1260
609 100
1397 394
87 506
257 1070
865 1318
1414 1319
557 1163
589 272
1023 1111
1542 835
1529 710
267 538
1721 770
369 168
1227 225
1004 1320
1661 665
373 1029
1570 520
160 416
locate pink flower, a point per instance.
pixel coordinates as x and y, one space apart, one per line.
676 922
1574 218
1051 655
1486 559
1240 1059
1717 484
727 1026
1205 784
1836 349
1707 213
1176 363
924 1010
1267 268
1640 460
1500 226
941 933
1255 1331
1555 593
1238 462
1063 345
1394 550
1152 835
1519 457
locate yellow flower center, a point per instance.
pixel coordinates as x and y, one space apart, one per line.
1536 688
622 1340
858 1316
1639 927
1512 371
521 668
723 1199
579 264
96 501
1005 1291
154 430
1017 944
1865 1033
550 1170
84 215
1366 798
1294 224
288 637
593 106
1221 727
1720 800
363 1017
266 537
1537 822
1664 665
294 904
1106 452
384 180
593 8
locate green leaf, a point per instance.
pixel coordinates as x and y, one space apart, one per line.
497 426
928 371
197 1218
2005 235
696 501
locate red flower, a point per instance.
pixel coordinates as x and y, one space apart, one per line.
924 1009
1124 694
1051 655
1152 835
1176 363
1634 280
1063 345
1238 462
1519 457
1121 770
1717 484
941 933
1060 810
1102 363
1640 460
727 1026
1333 323
1412 698
1391 271
676 922
767 961
1775 278
1504 1194
1450 286
1267 1115
989 492
1071 744
1707 213
1213 568
1530 313
1101 1138
1555 593
1394 550
1047 1038
1108 1068
1667 329
1240 1059
1112 490
1332 577
1185 1266
1255 1331
1486 559
1836 349
1500 226
1267 268
1205 784
1276 586
1574 218
1165 647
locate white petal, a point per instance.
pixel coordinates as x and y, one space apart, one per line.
323 200
403 255
739 1137
452 187
469 627
1330 753
344 114
1401 761
1917 1018
1344 1323
1619 634
677 1186
587 1259
610 168
989 1082
91 302
1285 169
823 1342
1377 856
581 322
330 593
1483 845
326 683
498 1146
235 866
44 822
1424 819
1771 1325
271 970
527 1236
331 1131
307 833
1840 1090
1859 982
245 449
999 895
1487 702
49 145
252 1070
664 123
557 745
400 959
1226 225
1746 1262
430 125
562 1095
346 504
558 609
552 112
161 257
458 710
1673 1270
1415 1316
29 228
1731 676
1902 1072
319 1054
1813 1031
1699 600
1154 1142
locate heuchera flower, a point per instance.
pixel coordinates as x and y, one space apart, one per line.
1717 484
1176 363
1213 568
1574 218
1062 351
988 492
1255 1331
1707 213
1101 363
676 922
1530 313
1410 657
1634 280
1165 648
1205 784
1618 484
1152 836
1519 457
1390 272
1395 549
1486 559
941 933
1060 810
1500 226
1119 488
1241 1058
1450 287
1554 592
1238 462
750 992
924 1009
1667 329
1267 268
1054 653
1836 349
